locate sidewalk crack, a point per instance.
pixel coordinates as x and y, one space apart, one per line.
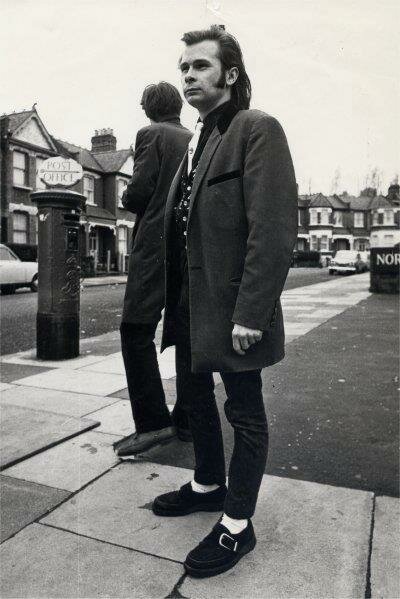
175 593
371 535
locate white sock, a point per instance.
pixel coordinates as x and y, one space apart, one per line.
198 488
234 526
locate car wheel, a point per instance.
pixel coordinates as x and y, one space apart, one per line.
35 284
331 272
7 289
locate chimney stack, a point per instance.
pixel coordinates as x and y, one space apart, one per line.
104 140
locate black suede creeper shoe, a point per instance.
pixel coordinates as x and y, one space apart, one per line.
186 501
219 551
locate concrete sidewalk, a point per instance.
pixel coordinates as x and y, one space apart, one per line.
78 523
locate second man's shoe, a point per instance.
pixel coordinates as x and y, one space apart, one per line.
219 551
186 501
139 442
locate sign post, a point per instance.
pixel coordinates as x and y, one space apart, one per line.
59 209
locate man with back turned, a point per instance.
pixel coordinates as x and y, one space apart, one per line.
158 151
230 226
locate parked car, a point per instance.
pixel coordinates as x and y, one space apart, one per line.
349 261
14 273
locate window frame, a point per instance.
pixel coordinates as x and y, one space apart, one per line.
119 197
337 218
89 200
16 231
388 217
359 217
19 169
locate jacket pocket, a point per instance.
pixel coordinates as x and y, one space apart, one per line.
236 280
224 177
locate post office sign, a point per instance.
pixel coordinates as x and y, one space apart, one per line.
60 172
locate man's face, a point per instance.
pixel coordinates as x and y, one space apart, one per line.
203 80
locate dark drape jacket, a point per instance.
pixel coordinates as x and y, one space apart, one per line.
242 228
158 151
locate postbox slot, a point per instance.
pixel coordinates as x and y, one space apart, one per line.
72 239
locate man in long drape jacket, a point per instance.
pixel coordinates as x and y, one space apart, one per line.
158 152
231 224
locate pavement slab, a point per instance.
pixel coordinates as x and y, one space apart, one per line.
49 400
112 364
115 419
5 386
70 465
385 559
67 565
12 372
29 358
116 508
76 381
313 539
25 432
22 502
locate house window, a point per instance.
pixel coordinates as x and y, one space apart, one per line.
123 240
88 189
388 217
324 217
20 168
299 218
359 220
121 186
93 240
20 227
338 219
313 216
380 218
319 218
324 243
39 182
314 242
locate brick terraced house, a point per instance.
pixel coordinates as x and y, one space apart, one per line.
106 227
325 223
331 223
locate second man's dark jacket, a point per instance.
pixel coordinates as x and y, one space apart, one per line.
159 150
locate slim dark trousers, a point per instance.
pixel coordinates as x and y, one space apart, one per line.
146 392
244 409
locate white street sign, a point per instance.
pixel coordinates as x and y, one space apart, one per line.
59 171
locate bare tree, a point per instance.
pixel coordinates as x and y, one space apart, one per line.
336 181
373 179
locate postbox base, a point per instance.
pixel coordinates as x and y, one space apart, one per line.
57 336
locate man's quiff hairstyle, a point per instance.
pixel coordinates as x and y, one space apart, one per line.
161 100
230 55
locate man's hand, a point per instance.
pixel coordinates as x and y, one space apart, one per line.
243 337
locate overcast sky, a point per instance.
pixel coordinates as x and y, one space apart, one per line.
327 70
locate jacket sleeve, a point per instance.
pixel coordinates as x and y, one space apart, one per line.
270 198
147 161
